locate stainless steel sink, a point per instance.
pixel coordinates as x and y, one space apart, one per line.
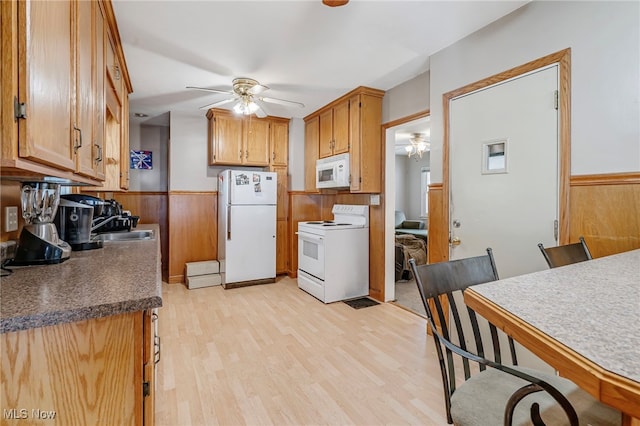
127 236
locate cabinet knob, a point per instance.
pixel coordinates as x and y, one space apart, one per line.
274 155
246 154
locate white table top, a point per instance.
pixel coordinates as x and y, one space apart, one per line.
591 307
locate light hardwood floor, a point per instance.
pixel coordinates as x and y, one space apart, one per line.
272 354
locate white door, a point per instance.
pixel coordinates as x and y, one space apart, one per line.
504 171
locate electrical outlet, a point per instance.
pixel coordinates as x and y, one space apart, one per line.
10 219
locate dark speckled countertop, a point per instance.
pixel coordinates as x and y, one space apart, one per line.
118 278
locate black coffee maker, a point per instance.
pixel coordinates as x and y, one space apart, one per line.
108 215
74 221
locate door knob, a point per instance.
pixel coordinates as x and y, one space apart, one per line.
455 241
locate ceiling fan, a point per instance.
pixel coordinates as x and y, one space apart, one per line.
414 144
246 94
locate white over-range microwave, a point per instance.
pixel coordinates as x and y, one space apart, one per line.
333 172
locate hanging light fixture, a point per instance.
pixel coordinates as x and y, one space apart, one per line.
418 145
245 105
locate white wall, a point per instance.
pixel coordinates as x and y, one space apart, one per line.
406 99
604 39
156 140
414 187
296 154
188 164
400 183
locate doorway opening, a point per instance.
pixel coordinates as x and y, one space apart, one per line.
407 171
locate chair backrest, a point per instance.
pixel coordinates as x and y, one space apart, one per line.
566 254
440 285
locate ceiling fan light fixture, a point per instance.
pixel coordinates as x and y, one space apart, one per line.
246 106
418 145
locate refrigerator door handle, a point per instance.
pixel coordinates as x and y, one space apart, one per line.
228 223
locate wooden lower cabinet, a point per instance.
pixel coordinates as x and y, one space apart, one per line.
87 372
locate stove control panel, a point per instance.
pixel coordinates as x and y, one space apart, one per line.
350 213
359 210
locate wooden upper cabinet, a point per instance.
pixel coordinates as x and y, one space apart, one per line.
351 123
325 147
89 114
99 107
53 67
109 142
46 82
279 142
124 142
225 139
256 142
365 118
311 142
334 130
249 141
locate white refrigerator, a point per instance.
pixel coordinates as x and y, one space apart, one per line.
247 227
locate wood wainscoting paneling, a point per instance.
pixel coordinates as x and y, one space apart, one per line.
438 241
605 210
193 230
152 208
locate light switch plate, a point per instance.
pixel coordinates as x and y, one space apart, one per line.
374 200
10 219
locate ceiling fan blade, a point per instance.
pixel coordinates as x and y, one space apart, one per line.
215 104
260 112
258 88
282 102
210 90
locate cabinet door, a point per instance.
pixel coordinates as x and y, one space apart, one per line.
83 123
256 147
354 133
311 141
282 247
366 148
124 142
149 366
46 82
282 197
325 147
226 139
98 93
341 128
279 142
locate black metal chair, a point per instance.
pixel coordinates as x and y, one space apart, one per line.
489 392
566 254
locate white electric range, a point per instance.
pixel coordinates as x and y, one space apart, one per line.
333 256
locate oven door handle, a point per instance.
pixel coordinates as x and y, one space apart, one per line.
309 237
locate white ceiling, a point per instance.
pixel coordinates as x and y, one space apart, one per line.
304 51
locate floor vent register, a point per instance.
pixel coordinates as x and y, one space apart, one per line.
361 302
203 274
